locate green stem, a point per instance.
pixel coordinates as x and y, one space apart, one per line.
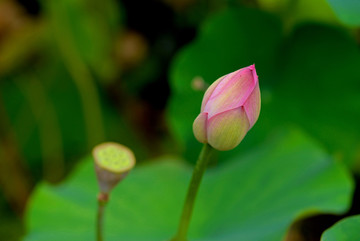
102 201
197 175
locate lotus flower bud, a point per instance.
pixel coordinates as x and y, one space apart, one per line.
112 163
230 107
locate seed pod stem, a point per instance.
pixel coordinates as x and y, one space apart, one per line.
102 201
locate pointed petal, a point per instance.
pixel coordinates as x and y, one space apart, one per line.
209 91
255 76
199 127
226 130
252 105
232 91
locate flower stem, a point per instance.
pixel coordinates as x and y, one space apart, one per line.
197 175
102 201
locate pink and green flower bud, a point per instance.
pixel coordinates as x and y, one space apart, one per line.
230 108
112 163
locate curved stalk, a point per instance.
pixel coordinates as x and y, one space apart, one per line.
193 188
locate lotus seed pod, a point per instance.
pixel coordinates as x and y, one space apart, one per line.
112 163
230 108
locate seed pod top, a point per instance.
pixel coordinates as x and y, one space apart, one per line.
230 107
112 163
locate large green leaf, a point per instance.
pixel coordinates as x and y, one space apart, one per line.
317 83
347 11
346 229
255 196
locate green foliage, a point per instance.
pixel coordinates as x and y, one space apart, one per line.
254 196
46 115
347 11
308 79
300 11
85 31
346 229
54 105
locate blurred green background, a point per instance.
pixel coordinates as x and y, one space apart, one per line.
74 73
